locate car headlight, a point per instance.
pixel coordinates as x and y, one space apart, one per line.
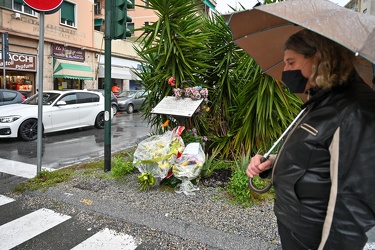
9 119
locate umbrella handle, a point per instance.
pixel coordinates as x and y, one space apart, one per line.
259 190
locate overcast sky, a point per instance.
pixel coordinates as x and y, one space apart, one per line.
222 5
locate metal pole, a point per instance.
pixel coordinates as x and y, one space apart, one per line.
107 85
4 59
40 92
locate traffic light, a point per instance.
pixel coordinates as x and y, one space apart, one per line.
120 18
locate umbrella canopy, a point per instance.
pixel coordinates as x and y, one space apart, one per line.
263 31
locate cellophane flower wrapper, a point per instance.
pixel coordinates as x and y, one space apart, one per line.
188 167
156 154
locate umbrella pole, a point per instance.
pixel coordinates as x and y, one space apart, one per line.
267 155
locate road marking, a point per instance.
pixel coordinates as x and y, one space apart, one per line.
19 168
369 246
26 227
5 200
107 239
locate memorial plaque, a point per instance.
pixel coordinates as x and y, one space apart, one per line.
170 105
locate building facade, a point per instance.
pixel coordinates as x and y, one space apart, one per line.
73 48
363 6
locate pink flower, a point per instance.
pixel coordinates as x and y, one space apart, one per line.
172 81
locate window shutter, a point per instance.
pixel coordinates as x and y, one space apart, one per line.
67 11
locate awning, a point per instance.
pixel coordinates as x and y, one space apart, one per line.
72 70
97 22
134 76
116 73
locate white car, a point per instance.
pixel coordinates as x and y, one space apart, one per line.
62 110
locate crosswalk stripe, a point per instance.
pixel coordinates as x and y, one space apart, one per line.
24 228
5 200
369 246
107 239
19 168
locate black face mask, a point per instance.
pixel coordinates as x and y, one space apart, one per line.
294 80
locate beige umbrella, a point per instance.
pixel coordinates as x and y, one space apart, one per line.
263 30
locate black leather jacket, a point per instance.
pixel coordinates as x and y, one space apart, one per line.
324 174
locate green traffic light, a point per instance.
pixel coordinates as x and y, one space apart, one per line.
119 28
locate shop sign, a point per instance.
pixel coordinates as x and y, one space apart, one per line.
60 51
18 61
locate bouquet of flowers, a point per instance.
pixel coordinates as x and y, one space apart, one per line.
155 155
188 167
195 93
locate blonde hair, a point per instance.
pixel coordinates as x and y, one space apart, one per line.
332 62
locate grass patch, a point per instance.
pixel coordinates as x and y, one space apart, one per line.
121 164
44 180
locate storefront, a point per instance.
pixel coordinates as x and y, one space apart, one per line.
121 73
20 72
69 69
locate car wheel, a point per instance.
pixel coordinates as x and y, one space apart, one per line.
99 120
115 109
28 130
130 109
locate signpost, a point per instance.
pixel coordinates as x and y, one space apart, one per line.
43 7
178 108
5 55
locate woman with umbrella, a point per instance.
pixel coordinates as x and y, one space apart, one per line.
324 173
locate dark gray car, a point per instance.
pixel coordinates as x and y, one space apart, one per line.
8 96
131 100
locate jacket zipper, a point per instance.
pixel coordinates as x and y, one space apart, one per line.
286 139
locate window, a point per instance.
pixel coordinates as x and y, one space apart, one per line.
67 14
70 99
133 3
19 5
146 3
130 26
87 97
97 8
6 4
9 96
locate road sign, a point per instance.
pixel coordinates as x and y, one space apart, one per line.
50 6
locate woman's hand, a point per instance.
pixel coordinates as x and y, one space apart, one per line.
255 167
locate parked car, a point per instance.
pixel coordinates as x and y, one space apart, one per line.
131 100
62 110
8 96
114 102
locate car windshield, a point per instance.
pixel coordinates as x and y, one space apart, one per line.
127 94
48 99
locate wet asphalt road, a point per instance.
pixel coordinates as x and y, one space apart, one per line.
65 148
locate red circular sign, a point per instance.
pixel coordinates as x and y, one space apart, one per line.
44 5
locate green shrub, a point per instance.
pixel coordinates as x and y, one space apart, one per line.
121 167
213 163
238 185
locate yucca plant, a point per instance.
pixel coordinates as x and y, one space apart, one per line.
173 46
248 110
